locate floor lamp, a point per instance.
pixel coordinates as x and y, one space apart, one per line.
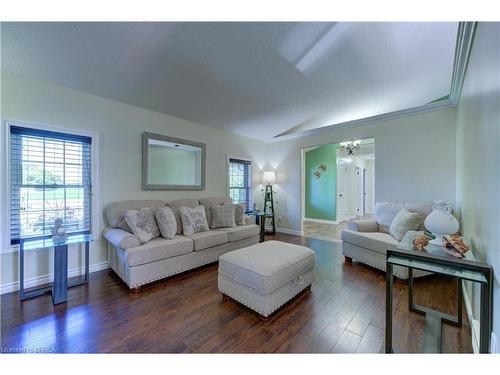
269 178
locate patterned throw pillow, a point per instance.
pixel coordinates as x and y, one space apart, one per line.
403 222
239 214
223 216
143 224
166 221
193 219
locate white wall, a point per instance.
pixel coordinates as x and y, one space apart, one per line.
415 160
119 128
370 185
478 158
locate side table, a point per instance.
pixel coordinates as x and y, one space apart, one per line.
435 260
59 288
260 220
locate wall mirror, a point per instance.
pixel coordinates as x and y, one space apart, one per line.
171 163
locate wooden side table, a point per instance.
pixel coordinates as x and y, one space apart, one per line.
260 220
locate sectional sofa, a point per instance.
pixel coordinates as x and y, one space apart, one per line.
138 264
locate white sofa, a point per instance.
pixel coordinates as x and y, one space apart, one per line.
367 241
138 264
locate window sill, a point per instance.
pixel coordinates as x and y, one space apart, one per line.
10 249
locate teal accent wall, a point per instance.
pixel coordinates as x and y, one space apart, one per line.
320 193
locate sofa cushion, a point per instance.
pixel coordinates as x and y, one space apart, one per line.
215 201
175 205
193 220
375 241
143 224
403 222
384 212
166 221
223 216
115 211
158 249
267 265
240 232
208 239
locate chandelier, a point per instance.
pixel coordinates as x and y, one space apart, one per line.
350 147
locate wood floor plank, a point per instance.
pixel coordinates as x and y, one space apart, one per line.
372 340
343 312
348 343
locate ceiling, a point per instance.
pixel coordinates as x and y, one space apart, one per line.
255 79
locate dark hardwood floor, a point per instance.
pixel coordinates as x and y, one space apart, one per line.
343 313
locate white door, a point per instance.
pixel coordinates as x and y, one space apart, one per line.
342 175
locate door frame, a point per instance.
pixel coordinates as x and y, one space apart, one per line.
302 150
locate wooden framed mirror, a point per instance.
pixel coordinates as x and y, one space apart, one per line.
170 163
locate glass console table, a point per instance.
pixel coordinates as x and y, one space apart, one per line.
58 289
435 260
260 219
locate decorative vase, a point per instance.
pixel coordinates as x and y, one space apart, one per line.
440 222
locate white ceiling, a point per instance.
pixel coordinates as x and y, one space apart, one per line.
255 79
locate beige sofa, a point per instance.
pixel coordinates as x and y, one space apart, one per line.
140 264
367 240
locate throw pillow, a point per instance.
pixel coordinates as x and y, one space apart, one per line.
165 219
143 224
403 222
193 219
223 216
239 212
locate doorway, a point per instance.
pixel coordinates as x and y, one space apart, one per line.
337 186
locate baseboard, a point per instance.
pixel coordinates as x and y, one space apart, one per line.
474 324
289 231
321 221
45 279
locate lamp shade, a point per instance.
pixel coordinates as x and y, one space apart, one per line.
269 177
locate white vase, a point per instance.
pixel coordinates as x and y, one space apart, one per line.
440 222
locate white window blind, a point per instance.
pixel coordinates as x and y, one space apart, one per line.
50 178
240 181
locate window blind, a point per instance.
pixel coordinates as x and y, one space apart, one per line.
50 179
240 181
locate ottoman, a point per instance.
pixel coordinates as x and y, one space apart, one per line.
265 276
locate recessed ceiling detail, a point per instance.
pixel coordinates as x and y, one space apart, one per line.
261 80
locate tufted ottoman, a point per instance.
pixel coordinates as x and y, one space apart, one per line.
265 276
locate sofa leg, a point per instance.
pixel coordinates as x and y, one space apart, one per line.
137 289
348 259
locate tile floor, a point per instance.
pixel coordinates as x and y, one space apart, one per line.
328 232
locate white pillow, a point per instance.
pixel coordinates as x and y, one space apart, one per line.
193 219
403 222
223 216
143 224
166 221
239 213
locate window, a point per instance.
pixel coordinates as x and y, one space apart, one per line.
240 181
50 178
